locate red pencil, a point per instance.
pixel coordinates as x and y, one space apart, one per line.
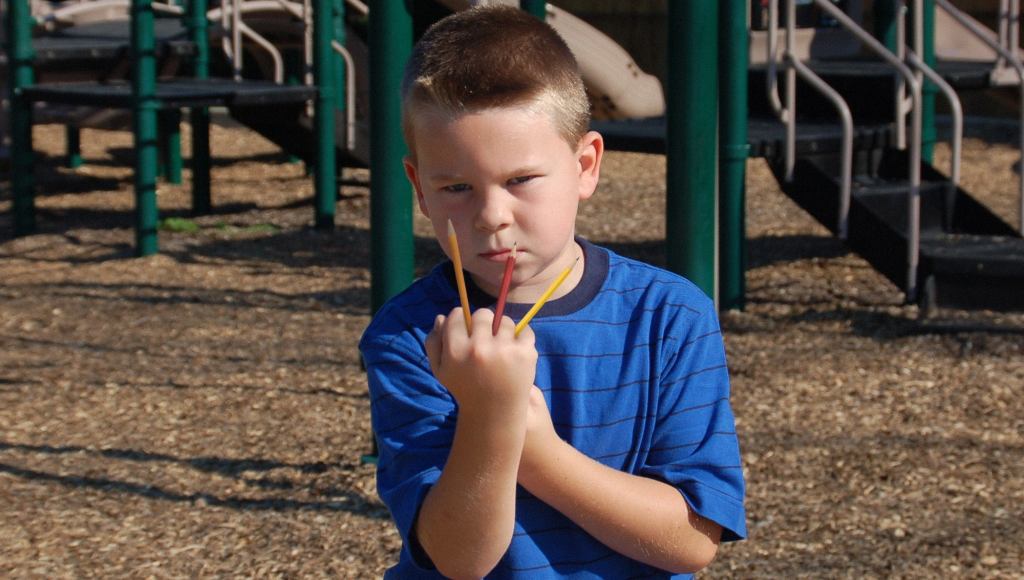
506 281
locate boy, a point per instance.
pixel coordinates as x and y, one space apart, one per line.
601 443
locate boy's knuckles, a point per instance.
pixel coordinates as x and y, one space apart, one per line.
506 328
526 336
483 315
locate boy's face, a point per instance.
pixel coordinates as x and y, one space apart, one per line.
504 176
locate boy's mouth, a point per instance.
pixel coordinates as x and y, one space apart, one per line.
497 255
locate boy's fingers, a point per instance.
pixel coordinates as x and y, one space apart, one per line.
482 320
454 328
526 334
507 327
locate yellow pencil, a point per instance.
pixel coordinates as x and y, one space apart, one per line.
544 298
460 279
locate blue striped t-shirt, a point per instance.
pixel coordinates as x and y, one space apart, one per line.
633 368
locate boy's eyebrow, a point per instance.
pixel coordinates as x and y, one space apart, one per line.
528 169
444 176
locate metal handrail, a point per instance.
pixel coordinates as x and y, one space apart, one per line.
225 42
1015 61
956 111
350 94
236 38
304 15
903 104
1013 39
914 193
232 43
846 167
307 19
787 114
1004 23
266 45
771 84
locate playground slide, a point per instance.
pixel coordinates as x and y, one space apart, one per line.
619 89
80 12
955 43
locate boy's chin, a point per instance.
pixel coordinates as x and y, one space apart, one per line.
483 283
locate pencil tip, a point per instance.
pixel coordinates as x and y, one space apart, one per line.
515 245
451 228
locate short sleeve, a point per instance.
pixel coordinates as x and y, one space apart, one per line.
695 447
413 420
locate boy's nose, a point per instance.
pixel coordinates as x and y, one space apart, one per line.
495 211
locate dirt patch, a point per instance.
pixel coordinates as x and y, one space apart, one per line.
202 412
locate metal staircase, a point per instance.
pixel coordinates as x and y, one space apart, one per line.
914 224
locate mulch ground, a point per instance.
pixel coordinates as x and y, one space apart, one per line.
202 412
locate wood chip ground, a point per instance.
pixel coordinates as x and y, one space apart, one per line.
202 412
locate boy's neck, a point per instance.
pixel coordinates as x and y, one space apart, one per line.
530 293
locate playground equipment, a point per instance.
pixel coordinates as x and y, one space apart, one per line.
692 116
866 177
619 89
258 38
964 44
145 96
850 160
912 223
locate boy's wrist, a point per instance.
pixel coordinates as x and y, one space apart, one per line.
493 408
492 424
544 461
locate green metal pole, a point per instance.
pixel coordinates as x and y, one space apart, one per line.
930 90
325 175
692 146
733 156
169 121
145 126
20 75
73 146
885 22
536 7
391 256
199 117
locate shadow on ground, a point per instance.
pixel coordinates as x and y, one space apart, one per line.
336 498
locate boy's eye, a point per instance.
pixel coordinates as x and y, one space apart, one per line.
456 188
521 179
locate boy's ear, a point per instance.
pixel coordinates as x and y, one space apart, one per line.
588 160
413 175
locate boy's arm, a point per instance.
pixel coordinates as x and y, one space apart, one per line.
692 450
466 522
639 517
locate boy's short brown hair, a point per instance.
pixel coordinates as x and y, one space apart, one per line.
495 56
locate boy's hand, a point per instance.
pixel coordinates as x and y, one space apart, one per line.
482 371
467 518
